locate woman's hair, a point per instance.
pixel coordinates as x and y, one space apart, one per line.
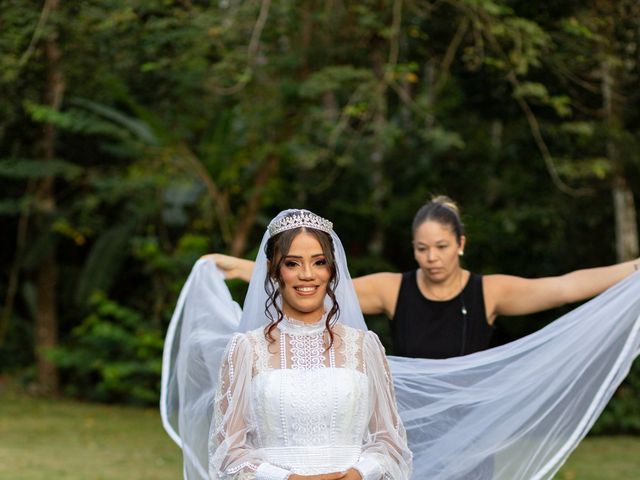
443 210
276 249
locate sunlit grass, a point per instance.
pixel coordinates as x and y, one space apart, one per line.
604 458
50 440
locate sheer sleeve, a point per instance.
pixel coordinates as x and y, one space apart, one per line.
233 450
385 453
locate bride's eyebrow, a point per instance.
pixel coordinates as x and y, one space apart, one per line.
300 256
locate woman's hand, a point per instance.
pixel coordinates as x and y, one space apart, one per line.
351 474
233 267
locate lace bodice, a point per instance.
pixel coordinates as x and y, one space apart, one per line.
296 404
287 408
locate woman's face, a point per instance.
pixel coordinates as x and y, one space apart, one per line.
304 276
436 249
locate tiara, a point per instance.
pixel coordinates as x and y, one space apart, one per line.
297 220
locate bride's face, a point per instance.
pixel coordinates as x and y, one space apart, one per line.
304 276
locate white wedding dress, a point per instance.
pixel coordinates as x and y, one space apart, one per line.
295 406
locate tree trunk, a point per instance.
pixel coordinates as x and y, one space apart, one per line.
46 326
46 321
625 215
623 202
379 187
248 216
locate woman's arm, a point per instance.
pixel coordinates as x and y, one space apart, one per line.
511 295
378 293
233 267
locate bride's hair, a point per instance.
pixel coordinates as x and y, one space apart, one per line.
276 249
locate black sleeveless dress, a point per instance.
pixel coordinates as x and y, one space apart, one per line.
424 328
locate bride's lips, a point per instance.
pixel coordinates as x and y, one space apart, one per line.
306 290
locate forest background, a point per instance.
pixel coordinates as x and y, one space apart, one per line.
137 135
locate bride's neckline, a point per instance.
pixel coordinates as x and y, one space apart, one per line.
293 326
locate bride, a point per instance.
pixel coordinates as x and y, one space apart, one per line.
305 397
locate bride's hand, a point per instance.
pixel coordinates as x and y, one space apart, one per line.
232 267
351 474
324 476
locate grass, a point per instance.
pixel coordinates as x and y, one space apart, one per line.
604 458
50 440
66 440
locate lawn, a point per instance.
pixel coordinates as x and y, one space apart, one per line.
66 440
51 440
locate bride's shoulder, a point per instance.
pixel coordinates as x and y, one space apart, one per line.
245 339
256 332
361 336
372 340
348 331
341 327
251 337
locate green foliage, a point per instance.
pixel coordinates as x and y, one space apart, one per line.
103 262
336 78
14 206
574 27
138 127
24 168
539 92
442 141
114 355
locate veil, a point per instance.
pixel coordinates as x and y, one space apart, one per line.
512 412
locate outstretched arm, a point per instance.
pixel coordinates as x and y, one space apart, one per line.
378 293
510 295
233 267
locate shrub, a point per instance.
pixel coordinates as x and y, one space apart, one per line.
114 355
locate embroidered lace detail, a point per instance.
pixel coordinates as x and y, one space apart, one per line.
283 364
232 349
307 351
261 349
351 348
244 465
292 326
309 413
309 420
222 392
